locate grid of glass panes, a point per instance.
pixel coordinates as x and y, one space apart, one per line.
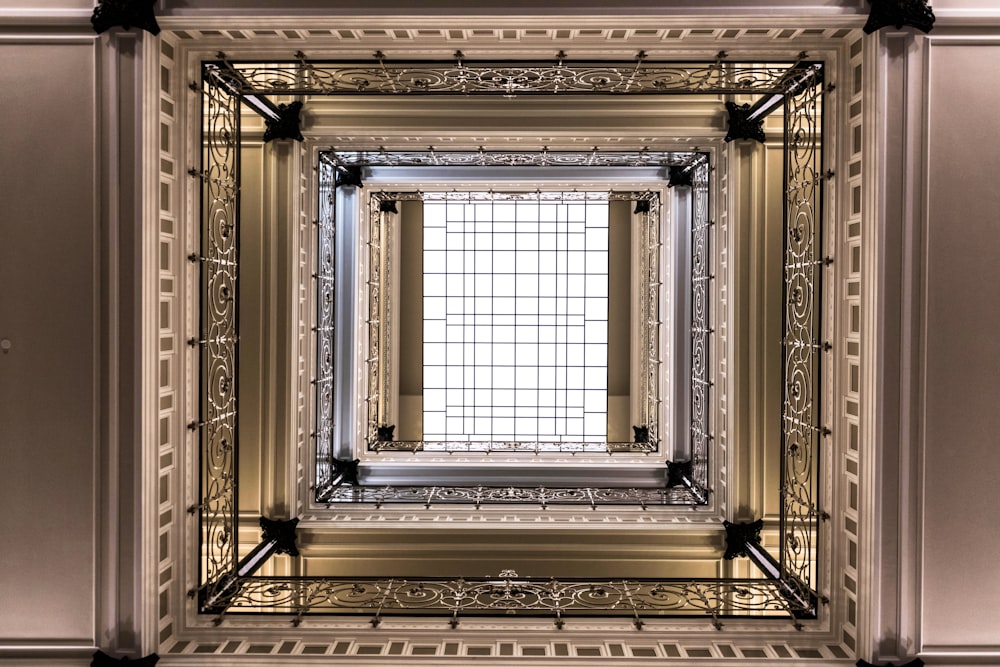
515 302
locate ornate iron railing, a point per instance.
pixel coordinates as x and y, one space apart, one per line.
510 447
219 331
509 595
511 78
325 277
803 268
221 584
484 158
701 326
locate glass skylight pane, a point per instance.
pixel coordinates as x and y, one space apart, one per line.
515 303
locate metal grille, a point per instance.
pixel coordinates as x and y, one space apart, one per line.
803 268
325 302
219 263
511 595
701 326
219 577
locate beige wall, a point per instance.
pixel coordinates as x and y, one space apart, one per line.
71 381
51 418
960 266
936 364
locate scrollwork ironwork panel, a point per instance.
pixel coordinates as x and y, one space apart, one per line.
219 265
217 425
649 313
509 495
513 78
484 158
701 325
633 598
801 359
325 303
512 447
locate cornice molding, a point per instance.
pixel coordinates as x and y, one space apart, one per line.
225 18
178 19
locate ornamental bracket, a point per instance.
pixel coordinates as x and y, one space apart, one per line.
680 473
344 472
277 537
743 539
897 13
349 176
678 176
125 14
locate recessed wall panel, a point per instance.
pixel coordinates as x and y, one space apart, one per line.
962 315
49 313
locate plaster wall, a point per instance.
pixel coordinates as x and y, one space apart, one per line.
961 313
50 370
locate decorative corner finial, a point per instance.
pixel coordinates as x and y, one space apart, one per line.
282 532
740 124
677 471
739 535
286 126
349 176
679 176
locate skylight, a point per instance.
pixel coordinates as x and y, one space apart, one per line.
515 301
